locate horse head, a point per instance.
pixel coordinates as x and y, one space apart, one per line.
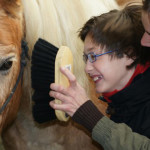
11 34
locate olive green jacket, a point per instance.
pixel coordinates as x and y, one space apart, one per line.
115 136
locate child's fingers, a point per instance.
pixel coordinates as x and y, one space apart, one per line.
69 75
62 107
58 88
58 95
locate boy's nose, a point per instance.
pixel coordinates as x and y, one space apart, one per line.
88 66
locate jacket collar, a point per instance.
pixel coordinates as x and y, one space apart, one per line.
134 96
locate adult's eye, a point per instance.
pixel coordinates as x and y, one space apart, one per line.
6 65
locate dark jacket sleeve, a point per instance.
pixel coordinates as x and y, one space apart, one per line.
87 115
111 135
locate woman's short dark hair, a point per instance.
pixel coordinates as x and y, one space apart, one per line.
119 30
146 5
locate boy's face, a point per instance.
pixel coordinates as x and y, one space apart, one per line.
107 73
145 41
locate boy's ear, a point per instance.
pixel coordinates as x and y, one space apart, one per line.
11 7
129 61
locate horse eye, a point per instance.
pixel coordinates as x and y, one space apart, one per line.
6 65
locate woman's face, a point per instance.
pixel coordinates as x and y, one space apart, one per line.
145 41
107 73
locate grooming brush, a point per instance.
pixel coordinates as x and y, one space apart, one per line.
46 61
64 58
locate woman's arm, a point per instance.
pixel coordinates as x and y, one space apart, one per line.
115 136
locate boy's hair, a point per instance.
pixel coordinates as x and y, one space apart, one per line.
119 30
146 5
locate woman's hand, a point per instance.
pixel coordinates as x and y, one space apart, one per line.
71 97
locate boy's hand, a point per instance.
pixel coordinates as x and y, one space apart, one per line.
71 97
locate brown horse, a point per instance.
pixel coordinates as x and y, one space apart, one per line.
57 22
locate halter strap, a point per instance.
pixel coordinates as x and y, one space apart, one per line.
23 63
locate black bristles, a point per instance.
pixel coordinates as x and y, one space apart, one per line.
43 113
42 75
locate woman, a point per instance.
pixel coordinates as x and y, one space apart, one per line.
145 41
118 65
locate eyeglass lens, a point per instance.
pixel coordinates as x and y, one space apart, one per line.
91 57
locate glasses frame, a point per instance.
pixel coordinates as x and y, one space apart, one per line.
88 56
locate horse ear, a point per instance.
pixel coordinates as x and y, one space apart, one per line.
11 7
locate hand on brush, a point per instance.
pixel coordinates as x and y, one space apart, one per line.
71 97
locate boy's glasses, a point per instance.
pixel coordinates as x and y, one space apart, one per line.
92 56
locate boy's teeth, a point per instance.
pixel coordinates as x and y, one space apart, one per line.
96 78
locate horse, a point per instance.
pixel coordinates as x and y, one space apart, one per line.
58 23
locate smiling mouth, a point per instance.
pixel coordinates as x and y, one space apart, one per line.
96 79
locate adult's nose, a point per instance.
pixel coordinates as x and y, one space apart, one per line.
145 41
